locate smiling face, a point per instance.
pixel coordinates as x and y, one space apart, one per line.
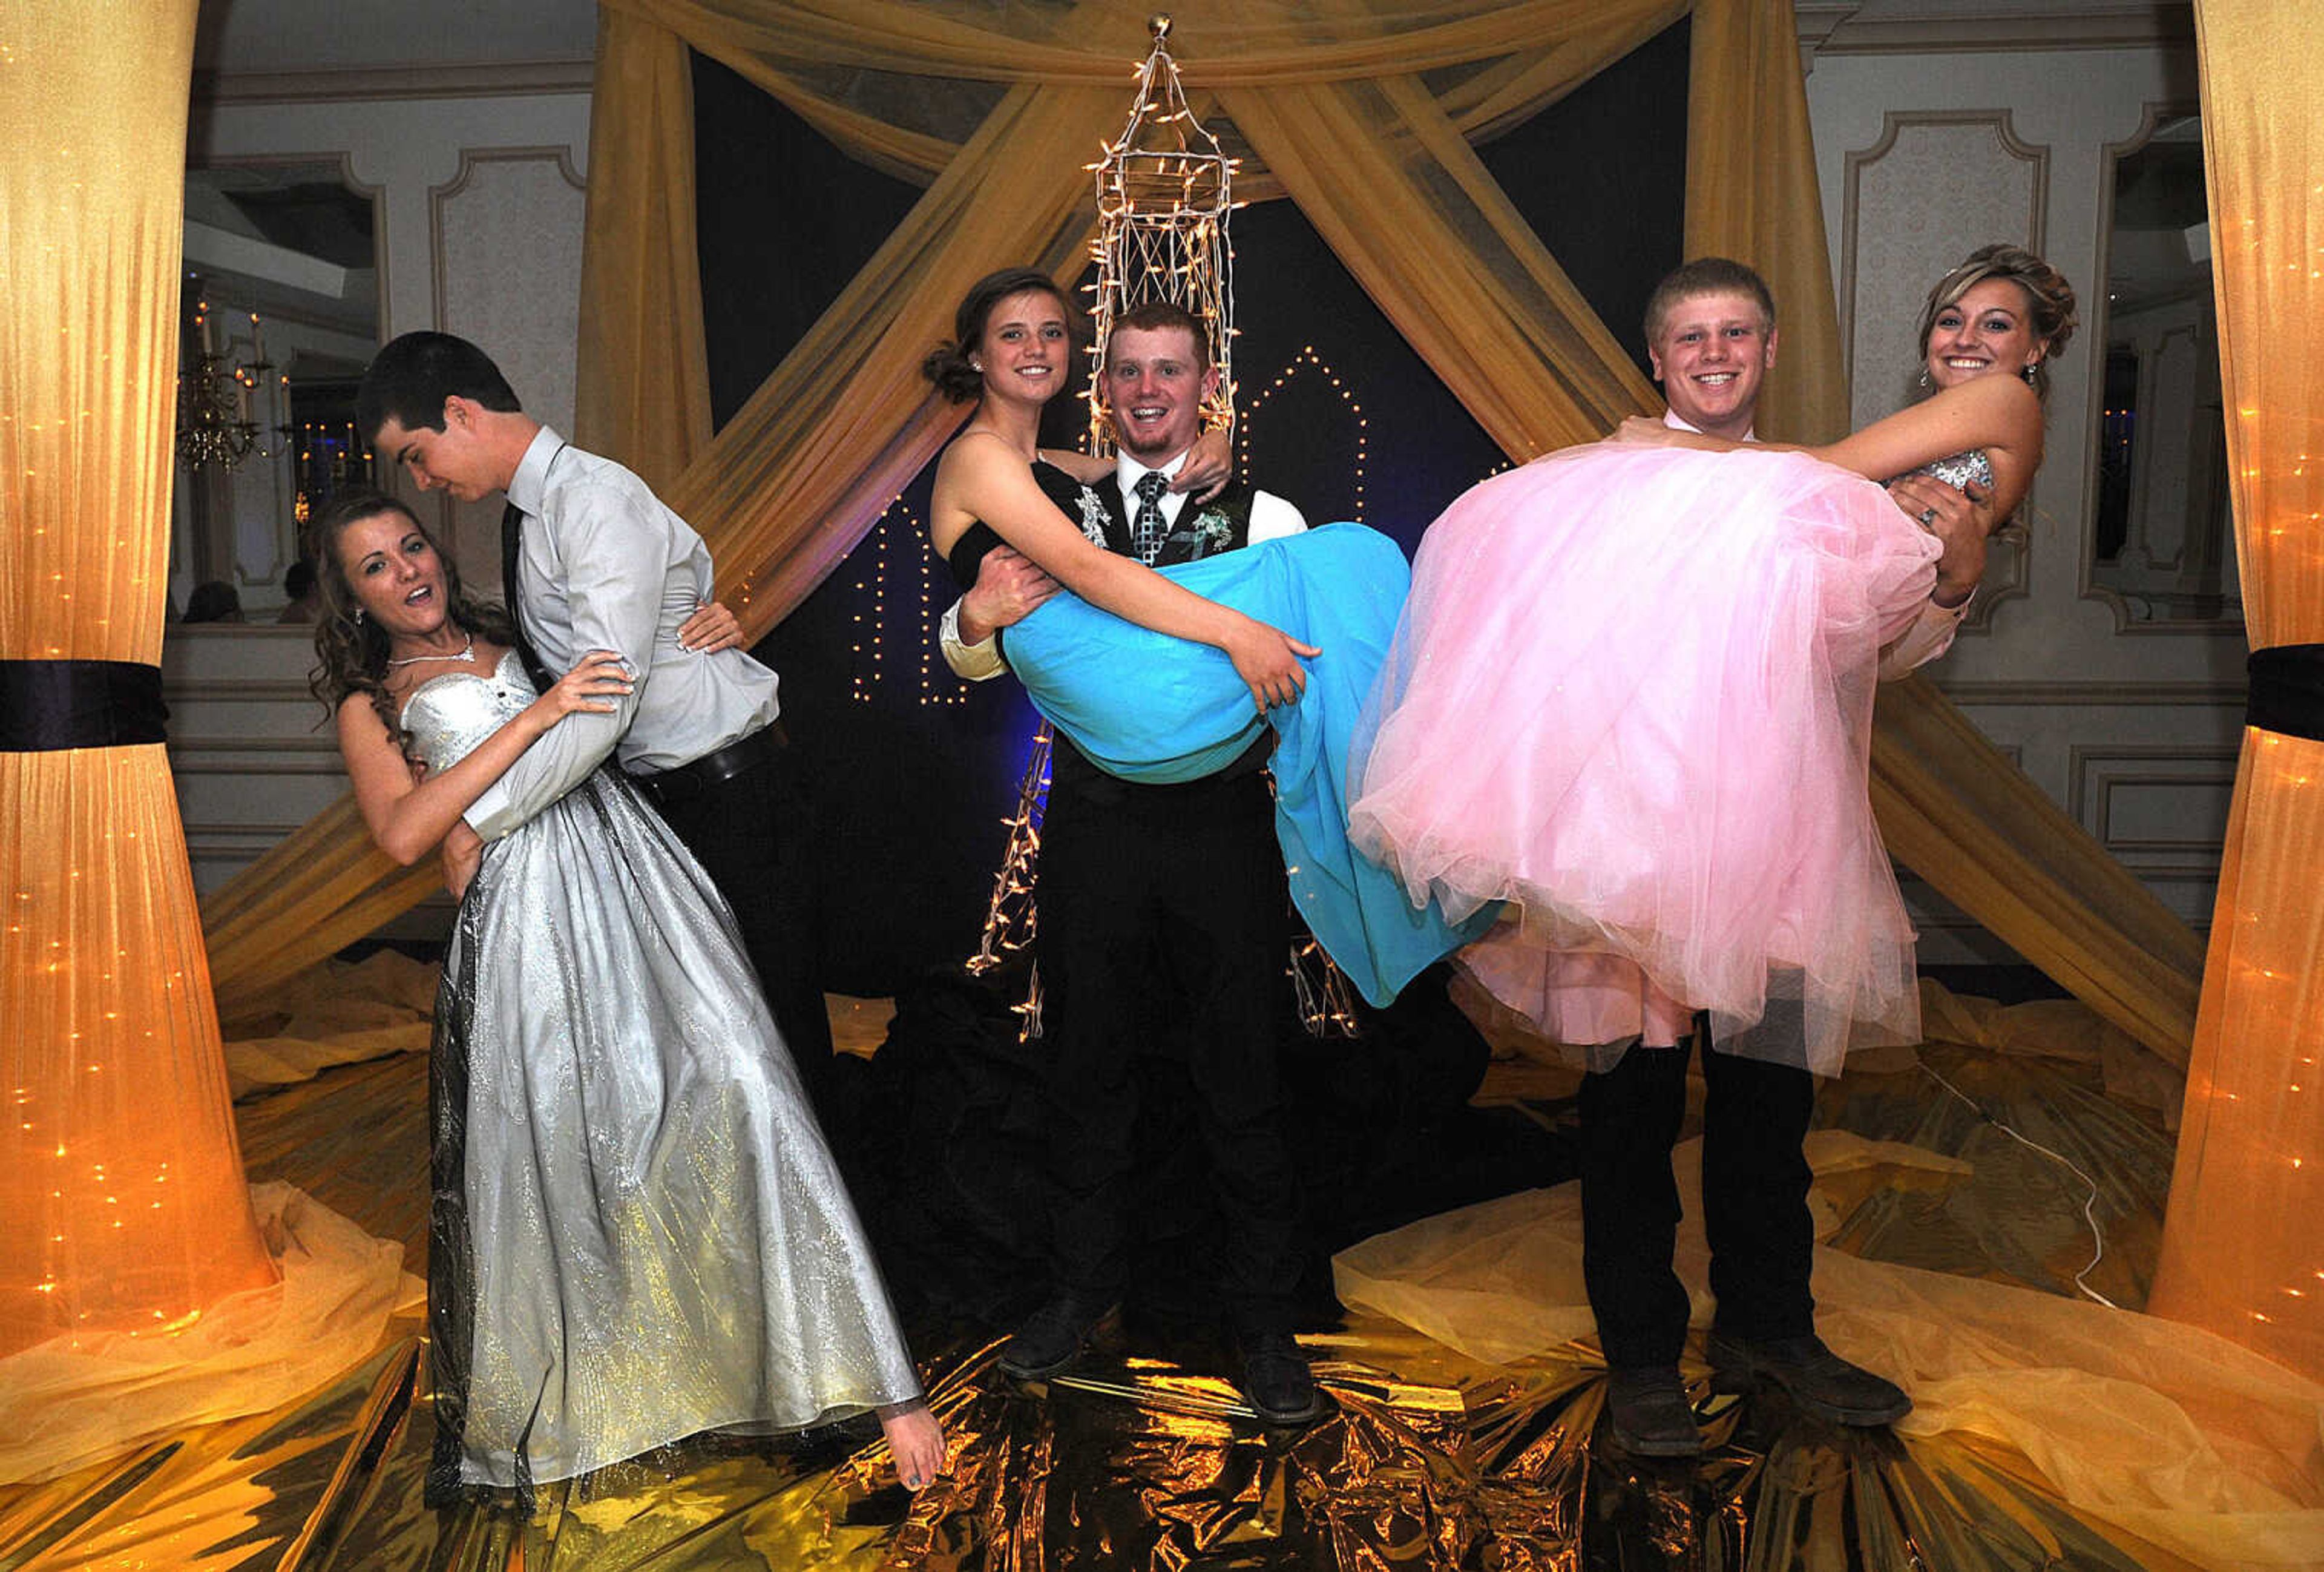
1024 347
457 458
1988 329
1710 356
1156 380
394 573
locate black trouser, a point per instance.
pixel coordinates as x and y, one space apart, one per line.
753 835
1165 906
1755 1189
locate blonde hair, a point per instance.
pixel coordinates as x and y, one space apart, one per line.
2049 300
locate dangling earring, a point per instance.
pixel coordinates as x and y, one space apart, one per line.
1925 381
2028 372
358 619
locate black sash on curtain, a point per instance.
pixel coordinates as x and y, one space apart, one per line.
2287 690
46 706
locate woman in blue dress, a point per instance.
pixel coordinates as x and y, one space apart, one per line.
1166 675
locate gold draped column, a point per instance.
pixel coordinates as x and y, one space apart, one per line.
120 1181
2241 1251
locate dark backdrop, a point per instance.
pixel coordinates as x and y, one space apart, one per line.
915 771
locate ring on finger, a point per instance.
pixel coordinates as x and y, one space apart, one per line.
1928 517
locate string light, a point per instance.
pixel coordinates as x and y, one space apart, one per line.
1305 360
1165 192
900 520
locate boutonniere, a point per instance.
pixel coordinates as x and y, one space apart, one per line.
1092 516
1215 530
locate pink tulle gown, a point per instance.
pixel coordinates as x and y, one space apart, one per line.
1632 695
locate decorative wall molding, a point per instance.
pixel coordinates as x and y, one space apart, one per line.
1833 27
234 691
1955 172
296 760
361 84
528 325
213 832
2103 780
1895 127
2069 695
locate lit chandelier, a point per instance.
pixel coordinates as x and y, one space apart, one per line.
1164 195
215 429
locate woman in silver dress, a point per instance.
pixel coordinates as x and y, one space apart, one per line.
637 1232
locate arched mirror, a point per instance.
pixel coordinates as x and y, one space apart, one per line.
2161 548
280 315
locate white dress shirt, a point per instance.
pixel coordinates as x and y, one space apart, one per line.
605 566
1933 627
1271 518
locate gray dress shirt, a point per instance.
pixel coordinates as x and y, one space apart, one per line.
605 566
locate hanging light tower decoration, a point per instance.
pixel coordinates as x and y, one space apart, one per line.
1165 191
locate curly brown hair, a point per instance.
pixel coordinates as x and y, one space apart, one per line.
350 648
2049 300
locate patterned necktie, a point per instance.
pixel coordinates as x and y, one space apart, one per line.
512 537
1148 530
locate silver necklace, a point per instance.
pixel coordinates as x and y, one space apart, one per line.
467 653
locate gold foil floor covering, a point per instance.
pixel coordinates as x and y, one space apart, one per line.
1431 1459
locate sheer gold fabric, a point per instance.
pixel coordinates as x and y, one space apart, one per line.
2242 1254
119 1178
1956 812
1362 114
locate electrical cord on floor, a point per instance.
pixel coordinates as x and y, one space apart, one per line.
2090 1206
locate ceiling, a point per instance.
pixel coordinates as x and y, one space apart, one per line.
280 37
288 37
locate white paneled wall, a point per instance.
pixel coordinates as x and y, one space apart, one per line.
1922 156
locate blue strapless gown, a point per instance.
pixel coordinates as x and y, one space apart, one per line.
1156 709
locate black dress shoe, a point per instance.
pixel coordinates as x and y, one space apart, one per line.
1277 1381
1052 1336
1648 1406
1820 1382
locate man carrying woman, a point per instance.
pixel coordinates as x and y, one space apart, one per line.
1671 640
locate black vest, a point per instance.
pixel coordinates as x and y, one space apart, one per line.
1220 524
1203 530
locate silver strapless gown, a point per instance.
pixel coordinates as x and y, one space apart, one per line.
1969 466
637 1231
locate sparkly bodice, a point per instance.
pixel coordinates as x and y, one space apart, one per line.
1969 466
449 715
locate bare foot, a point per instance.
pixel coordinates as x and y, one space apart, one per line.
919 1445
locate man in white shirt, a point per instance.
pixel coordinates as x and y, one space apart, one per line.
1712 339
1163 915
593 560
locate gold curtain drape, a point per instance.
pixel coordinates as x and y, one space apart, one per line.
1765 211
1360 115
120 1179
2241 1251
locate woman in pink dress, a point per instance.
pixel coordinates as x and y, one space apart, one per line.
1632 696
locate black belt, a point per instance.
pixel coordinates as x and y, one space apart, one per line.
736 758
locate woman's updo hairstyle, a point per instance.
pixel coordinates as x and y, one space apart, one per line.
2049 300
952 365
